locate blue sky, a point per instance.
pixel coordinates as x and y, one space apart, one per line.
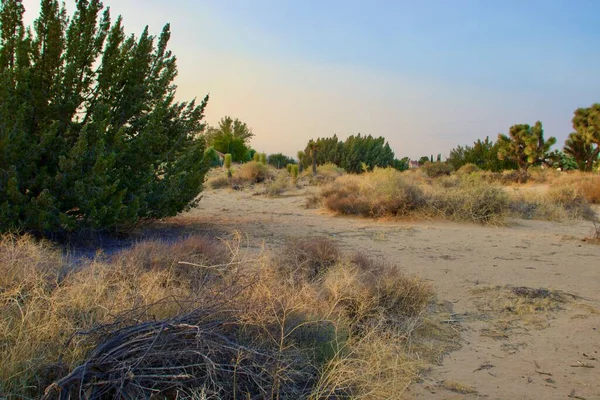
427 75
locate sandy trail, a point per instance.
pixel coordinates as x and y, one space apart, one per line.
526 362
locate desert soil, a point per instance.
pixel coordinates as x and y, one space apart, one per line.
548 355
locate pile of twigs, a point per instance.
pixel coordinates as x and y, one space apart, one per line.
196 353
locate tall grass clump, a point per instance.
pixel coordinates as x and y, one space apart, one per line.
383 192
253 172
202 318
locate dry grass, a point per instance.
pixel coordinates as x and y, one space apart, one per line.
253 172
326 173
279 185
463 197
218 182
202 318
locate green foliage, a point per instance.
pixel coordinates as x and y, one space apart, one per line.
263 158
227 161
483 154
91 136
563 161
289 168
423 160
525 145
256 157
294 169
402 164
433 170
231 136
350 154
280 160
584 144
212 157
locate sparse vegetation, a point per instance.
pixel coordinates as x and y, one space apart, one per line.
201 317
386 192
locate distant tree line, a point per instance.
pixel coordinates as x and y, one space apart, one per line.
355 154
525 146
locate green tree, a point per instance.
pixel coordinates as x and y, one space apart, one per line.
483 154
280 160
525 145
423 160
231 136
90 134
402 164
584 143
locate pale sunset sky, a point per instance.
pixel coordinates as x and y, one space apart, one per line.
427 75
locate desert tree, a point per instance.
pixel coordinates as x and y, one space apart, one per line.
525 145
90 133
231 136
584 143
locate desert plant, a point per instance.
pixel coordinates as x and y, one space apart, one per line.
227 164
433 170
218 182
467 169
584 143
182 318
96 139
294 170
278 185
263 158
525 145
256 157
230 136
253 172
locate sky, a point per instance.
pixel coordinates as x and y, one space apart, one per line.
426 75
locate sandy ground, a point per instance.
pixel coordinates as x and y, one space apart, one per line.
554 358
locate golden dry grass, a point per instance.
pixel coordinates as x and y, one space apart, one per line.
344 326
461 197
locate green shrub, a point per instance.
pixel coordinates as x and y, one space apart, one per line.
433 170
294 170
263 158
227 161
92 136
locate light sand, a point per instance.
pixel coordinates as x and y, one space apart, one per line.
527 361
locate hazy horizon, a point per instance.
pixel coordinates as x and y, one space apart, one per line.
427 77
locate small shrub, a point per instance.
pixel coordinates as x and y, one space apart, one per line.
263 158
253 172
278 185
289 168
476 203
306 259
383 192
227 161
294 172
433 170
218 182
589 187
467 169
376 291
